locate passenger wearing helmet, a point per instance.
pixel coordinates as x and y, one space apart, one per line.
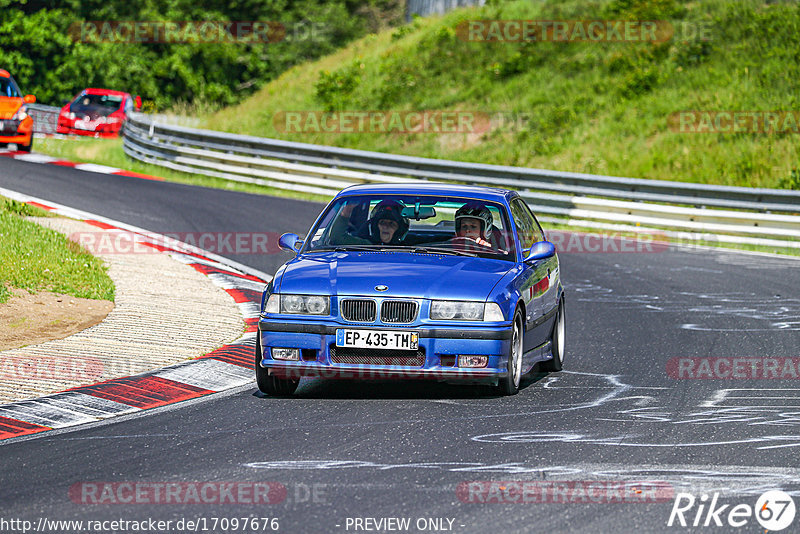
474 221
386 225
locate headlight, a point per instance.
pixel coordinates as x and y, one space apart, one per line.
454 310
298 304
21 113
316 305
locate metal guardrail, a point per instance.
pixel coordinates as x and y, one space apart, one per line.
45 118
733 214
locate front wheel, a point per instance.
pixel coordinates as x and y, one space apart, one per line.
26 148
271 384
509 385
557 343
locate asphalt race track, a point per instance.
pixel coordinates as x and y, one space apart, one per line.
345 456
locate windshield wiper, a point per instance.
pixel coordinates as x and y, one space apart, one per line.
345 248
441 250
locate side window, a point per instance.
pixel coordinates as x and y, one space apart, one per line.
528 228
537 228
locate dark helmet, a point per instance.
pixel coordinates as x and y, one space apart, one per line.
392 210
479 211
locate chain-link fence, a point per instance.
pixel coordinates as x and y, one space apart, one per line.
45 118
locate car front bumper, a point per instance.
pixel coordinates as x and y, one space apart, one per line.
19 132
436 358
99 130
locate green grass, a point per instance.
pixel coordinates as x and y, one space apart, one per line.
109 152
585 106
39 259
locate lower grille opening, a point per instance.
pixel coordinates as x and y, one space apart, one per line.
405 358
447 361
308 355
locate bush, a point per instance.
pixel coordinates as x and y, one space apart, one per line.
40 45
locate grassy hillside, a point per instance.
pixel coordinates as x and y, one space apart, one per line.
584 106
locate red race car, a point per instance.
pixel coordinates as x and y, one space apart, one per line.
97 112
16 126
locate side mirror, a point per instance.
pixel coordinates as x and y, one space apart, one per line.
138 101
29 99
541 250
290 242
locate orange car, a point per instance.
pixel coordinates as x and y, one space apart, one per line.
16 126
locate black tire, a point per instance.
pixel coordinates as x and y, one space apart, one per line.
557 340
509 384
26 148
271 384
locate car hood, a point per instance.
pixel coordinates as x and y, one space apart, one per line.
405 275
9 106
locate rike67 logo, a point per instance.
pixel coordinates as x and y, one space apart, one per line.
774 510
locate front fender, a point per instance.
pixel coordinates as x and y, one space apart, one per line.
506 294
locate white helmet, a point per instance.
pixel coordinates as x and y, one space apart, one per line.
479 211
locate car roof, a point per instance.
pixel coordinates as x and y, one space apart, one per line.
431 188
96 91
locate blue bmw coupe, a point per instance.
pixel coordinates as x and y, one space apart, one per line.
451 282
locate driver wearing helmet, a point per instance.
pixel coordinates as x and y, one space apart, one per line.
386 225
474 221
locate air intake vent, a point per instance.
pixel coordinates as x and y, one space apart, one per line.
398 311
359 311
405 358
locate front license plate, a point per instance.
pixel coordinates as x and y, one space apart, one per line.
377 339
84 125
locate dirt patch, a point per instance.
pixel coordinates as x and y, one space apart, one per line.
28 319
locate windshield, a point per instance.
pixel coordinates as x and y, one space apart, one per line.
96 104
8 87
419 224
